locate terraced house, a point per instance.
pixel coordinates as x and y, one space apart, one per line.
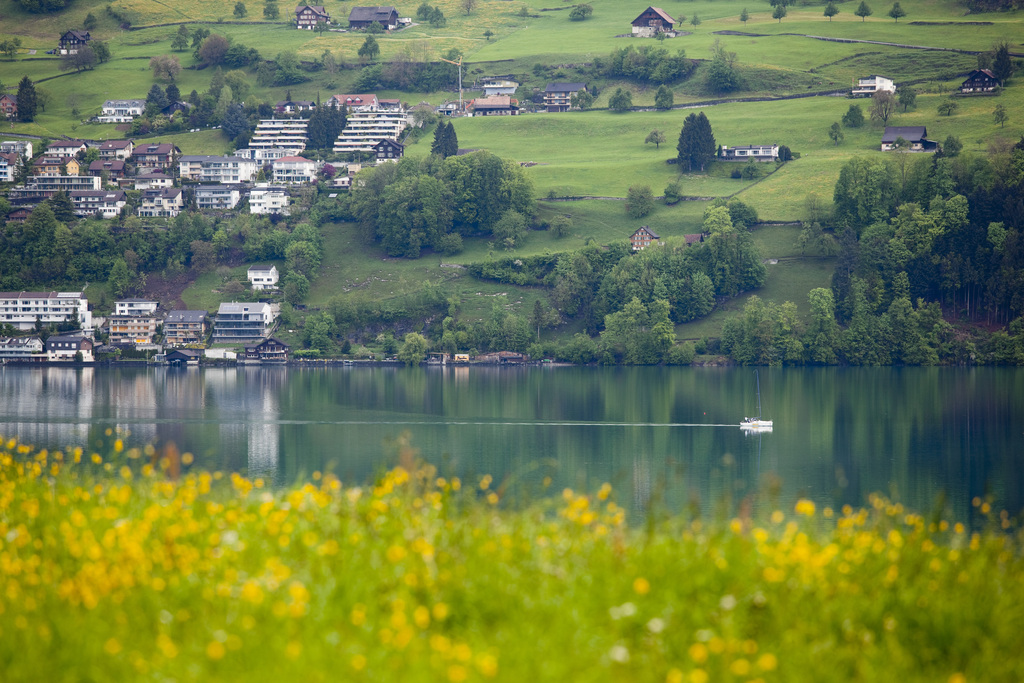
369 120
285 133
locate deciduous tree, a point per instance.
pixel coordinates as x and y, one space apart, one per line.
854 117
240 11
271 11
863 11
896 12
883 105
835 133
664 98
165 67
581 12
639 201
621 101
655 136
414 348
1000 116
779 12
369 50
907 96
831 10
213 49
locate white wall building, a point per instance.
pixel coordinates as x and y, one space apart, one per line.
264 154
23 309
866 87
135 307
288 133
22 147
499 86
121 111
217 169
263 277
267 199
106 203
217 196
237 322
294 170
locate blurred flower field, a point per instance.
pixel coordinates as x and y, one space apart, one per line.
132 566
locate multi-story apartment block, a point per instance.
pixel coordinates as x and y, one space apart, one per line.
22 348
8 166
44 187
121 111
294 170
220 197
22 147
135 307
239 322
132 329
215 169
268 199
369 120
265 154
107 204
24 309
288 133
558 96
866 87
185 327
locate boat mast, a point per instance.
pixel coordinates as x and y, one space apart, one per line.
758 378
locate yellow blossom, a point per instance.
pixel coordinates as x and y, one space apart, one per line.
641 585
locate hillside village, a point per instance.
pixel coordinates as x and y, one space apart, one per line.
324 161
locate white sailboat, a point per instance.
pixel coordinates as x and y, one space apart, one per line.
756 424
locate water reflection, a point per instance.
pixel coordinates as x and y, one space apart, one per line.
661 436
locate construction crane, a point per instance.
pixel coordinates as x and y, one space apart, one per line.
458 64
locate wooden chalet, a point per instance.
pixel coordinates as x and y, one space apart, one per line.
558 96
9 105
643 238
916 137
980 80
362 17
495 105
388 150
269 350
651 22
183 357
308 16
71 41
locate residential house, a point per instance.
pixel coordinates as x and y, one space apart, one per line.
178 106
22 147
121 111
153 180
9 105
749 152
651 22
294 170
368 120
448 108
181 357
132 329
496 105
104 203
135 307
72 41
916 136
980 80
643 238
293 106
165 202
499 86
66 346
287 133
217 169
18 215
265 198
362 17
866 87
24 309
55 166
694 238
388 150
185 327
308 16
154 156
20 348
218 197
116 149
263 276
269 350
558 96
8 167
240 322
113 168
66 148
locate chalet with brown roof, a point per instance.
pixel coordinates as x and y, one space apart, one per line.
308 16
980 80
495 105
643 238
71 41
651 22
9 105
116 149
113 168
269 350
362 17
153 156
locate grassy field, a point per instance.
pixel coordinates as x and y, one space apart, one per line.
133 565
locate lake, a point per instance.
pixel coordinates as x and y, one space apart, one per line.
661 436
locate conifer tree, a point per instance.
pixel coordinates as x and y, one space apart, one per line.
451 142
696 142
26 100
438 145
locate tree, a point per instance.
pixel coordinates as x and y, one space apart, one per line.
84 58
240 11
664 99
180 40
744 16
695 20
896 12
639 201
468 6
907 96
822 337
835 133
831 10
234 122
883 106
213 49
948 108
510 229
165 67
721 76
1002 66
621 101
325 124
696 142
413 349
437 19
101 50
271 11
9 46
120 278
581 12
854 117
952 146
779 12
487 34
655 136
370 50
582 100
320 27
156 100
1000 116
26 100
863 11
89 23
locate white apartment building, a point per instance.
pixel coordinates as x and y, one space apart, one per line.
263 277
106 203
121 111
866 87
8 166
237 322
294 170
22 147
215 169
288 133
364 129
135 307
267 199
217 196
23 309
266 154
499 86
162 203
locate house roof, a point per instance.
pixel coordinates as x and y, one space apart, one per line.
317 9
108 195
493 102
41 295
158 148
184 353
67 338
357 100
261 268
379 13
660 12
694 238
264 342
9 96
107 165
292 159
388 143
186 316
987 72
565 87
908 133
125 103
650 232
116 144
67 144
242 307
82 36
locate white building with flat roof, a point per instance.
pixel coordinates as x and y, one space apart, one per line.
288 133
135 307
121 111
268 199
24 309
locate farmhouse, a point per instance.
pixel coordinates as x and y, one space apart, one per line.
165 202
72 41
237 322
9 105
651 22
217 197
914 135
980 80
643 238
263 276
185 327
748 152
64 347
388 150
308 16
121 111
496 105
24 309
107 204
866 87
558 96
362 17
269 350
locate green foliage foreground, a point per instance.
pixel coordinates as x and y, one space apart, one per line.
132 567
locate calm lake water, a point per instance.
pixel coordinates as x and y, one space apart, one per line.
668 435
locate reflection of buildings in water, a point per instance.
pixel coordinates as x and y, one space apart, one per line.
256 431
641 482
132 403
48 407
